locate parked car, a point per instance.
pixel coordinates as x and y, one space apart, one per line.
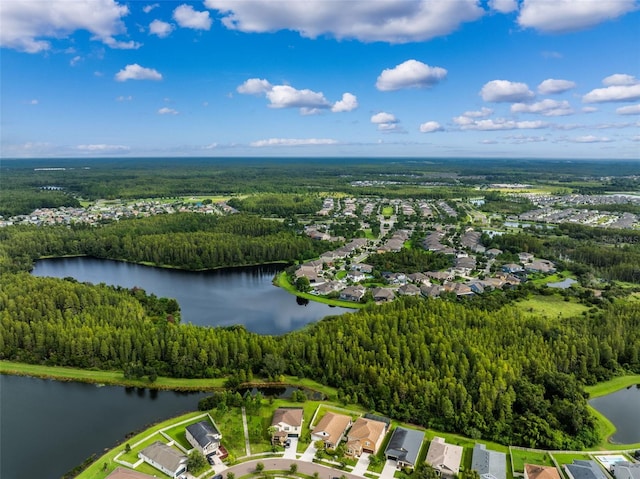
287 443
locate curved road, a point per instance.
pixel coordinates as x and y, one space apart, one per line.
271 464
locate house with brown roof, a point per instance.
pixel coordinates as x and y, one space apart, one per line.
287 422
444 458
533 471
365 435
331 429
383 295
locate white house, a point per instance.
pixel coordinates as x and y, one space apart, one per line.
164 458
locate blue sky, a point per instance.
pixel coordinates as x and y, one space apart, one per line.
428 78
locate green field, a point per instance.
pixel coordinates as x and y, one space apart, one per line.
550 306
521 457
387 211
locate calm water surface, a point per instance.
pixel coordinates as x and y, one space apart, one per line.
622 408
212 298
48 427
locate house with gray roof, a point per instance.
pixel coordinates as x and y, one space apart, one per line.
489 464
626 470
444 458
404 447
164 458
204 436
581 469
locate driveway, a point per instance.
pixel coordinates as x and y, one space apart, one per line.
362 465
290 452
309 454
388 470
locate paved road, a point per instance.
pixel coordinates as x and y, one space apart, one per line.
308 468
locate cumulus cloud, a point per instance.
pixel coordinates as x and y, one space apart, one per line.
613 93
349 102
590 139
545 107
505 91
293 142
621 79
521 139
75 60
558 16
136 72
430 127
26 25
386 122
482 113
503 6
552 86
187 17
491 124
410 74
254 86
629 110
285 96
160 28
589 109
365 20
167 111
149 8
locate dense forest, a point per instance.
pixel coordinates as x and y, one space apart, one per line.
496 375
410 261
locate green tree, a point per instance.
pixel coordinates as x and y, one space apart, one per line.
259 467
196 462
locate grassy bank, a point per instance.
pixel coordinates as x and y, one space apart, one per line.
615 384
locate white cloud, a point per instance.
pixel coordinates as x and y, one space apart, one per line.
629 110
149 8
349 102
635 138
75 60
521 139
124 98
167 111
613 93
33 102
187 17
293 142
482 113
620 79
589 109
410 74
491 124
27 25
545 107
285 96
160 28
551 86
430 127
503 6
102 148
590 139
386 122
254 86
365 20
557 16
551 54
136 72
505 91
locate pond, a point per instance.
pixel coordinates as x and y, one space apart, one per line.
622 408
564 284
50 427
222 297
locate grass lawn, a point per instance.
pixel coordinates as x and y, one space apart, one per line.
387 211
179 434
615 384
569 457
550 306
554 278
282 282
520 458
132 456
369 235
230 424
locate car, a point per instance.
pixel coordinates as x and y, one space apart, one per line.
217 476
287 443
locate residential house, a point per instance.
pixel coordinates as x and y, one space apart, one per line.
418 278
330 429
408 290
581 469
464 265
328 287
541 266
395 278
476 287
444 458
533 471
363 268
356 276
365 435
525 257
493 252
626 470
489 464
204 436
308 272
164 458
512 268
383 295
431 291
352 293
287 422
440 275
404 447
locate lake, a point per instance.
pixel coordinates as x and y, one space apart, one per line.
622 408
49 427
207 298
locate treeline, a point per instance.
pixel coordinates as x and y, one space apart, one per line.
497 375
23 202
189 240
409 261
281 205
